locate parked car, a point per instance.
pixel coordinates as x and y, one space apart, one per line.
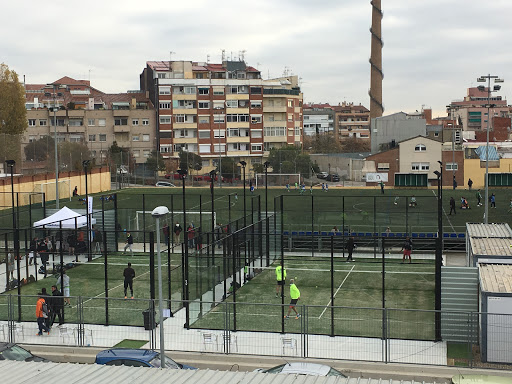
173 176
333 177
322 175
164 184
10 351
136 358
303 369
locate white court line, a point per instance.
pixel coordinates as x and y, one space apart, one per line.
357 271
447 218
325 309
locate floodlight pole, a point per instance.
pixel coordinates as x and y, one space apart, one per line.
439 253
482 79
266 164
11 164
56 154
212 184
157 213
183 174
244 164
85 164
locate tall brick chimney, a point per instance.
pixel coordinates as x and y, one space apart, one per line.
376 76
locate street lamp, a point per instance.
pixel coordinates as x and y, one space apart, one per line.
55 149
439 253
450 110
483 79
157 213
244 164
11 164
88 210
266 164
212 184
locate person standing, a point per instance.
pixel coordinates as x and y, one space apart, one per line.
280 278
350 248
470 184
407 248
129 243
129 275
288 187
478 198
381 186
295 296
41 314
452 206
57 306
10 262
75 191
48 300
493 201
65 284
177 231
166 232
191 234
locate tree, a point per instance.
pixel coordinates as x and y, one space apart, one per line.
229 169
155 161
40 150
71 155
190 161
258 168
290 159
118 156
322 143
13 115
355 145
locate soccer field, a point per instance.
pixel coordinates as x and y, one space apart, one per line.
358 294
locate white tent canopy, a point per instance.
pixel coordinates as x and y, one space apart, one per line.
65 219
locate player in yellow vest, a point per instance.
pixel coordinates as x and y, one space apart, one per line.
281 278
295 296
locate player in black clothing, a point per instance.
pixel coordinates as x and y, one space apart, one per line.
128 274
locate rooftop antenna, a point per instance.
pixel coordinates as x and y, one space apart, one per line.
207 58
223 54
242 54
258 66
170 55
90 75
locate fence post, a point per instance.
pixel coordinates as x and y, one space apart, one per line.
105 261
332 284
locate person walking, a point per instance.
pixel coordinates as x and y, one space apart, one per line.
295 296
492 199
166 232
57 307
129 275
177 232
407 248
65 284
350 248
478 198
41 314
381 187
470 184
280 278
129 243
452 206
48 300
10 262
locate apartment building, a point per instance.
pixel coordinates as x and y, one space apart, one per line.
318 119
90 116
351 121
222 110
471 111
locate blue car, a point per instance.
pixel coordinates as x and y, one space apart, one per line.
136 358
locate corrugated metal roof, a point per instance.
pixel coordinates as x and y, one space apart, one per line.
488 230
491 246
482 153
20 372
496 278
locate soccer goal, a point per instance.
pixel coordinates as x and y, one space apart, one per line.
278 179
49 189
144 221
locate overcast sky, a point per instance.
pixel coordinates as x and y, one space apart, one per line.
433 50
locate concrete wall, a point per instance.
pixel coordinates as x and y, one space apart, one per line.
395 127
473 170
430 156
98 181
345 167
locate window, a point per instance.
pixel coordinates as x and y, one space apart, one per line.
42 122
234 132
383 166
91 122
297 131
165 119
275 131
420 166
145 121
135 121
420 148
164 105
204 119
164 90
237 118
256 160
255 119
103 137
145 137
204 134
204 105
218 105
179 118
290 103
136 153
32 138
219 148
189 90
232 103
76 122
146 153
436 134
452 166
256 147
135 137
218 90
255 90
102 122
204 148
218 119
290 117
256 134
205 163
121 121
203 91
92 137
256 104
219 133
31 122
